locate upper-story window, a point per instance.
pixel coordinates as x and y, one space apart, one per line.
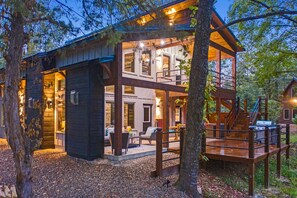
129 62
294 91
146 63
166 65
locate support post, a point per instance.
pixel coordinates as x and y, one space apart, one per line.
245 105
266 109
278 157
234 73
259 108
288 141
165 127
266 161
251 179
159 155
251 144
218 111
118 96
219 68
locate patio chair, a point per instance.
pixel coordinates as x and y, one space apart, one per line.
149 134
125 141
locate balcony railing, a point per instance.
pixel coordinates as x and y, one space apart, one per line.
178 77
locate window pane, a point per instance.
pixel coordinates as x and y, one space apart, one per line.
294 113
129 115
109 114
110 89
166 65
129 90
146 62
287 114
146 114
177 114
129 62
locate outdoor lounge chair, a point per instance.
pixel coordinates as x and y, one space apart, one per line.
125 141
149 135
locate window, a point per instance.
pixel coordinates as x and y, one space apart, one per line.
146 63
177 114
60 102
129 63
129 115
294 91
178 71
129 90
166 65
294 113
110 88
146 114
286 115
109 114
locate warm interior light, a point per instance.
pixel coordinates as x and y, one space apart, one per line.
171 11
162 42
141 45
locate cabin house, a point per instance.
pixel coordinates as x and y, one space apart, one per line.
289 103
86 87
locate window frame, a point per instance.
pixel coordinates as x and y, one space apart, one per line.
284 114
149 63
133 71
150 113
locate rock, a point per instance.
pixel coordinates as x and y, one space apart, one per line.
13 192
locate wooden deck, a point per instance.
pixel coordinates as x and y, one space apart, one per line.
238 151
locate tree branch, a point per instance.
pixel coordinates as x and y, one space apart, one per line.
262 16
268 7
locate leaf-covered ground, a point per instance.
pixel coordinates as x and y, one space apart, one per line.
57 175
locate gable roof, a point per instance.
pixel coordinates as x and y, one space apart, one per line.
226 34
290 84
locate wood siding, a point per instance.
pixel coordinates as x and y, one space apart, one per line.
49 112
34 91
83 53
85 121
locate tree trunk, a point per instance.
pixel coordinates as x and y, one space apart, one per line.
18 140
199 69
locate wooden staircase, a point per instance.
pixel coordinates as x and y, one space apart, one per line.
239 120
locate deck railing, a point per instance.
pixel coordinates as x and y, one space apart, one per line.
259 145
179 77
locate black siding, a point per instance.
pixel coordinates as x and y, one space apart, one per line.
85 121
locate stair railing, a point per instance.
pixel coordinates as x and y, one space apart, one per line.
256 111
232 115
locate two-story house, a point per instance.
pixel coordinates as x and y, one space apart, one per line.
87 85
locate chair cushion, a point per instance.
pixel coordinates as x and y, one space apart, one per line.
150 130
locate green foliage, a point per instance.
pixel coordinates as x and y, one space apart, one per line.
270 55
274 110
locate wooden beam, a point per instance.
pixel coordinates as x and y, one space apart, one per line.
234 72
219 68
118 101
251 179
218 111
152 85
223 49
166 105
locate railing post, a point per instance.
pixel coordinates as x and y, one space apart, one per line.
278 156
215 131
266 161
259 108
245 105
288 141
159 155
266 109
251 144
